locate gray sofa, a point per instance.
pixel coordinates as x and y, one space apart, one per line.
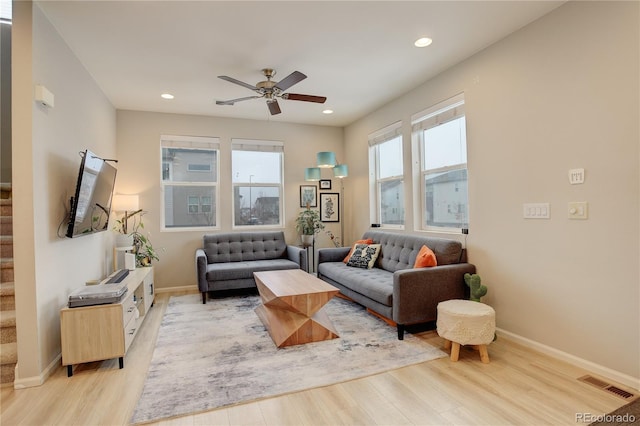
393 288
228 260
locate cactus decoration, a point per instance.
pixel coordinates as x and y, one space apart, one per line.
478 290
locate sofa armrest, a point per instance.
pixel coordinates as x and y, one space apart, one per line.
201 270
417 292
334 254
298 255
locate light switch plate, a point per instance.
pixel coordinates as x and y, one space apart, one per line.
536 211
578 210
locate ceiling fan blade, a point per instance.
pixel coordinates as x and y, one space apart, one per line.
233 101
305 98
241 83
290 80
274 108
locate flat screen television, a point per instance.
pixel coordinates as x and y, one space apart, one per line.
91 205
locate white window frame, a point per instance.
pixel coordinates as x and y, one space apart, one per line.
386 134
259 146
441 113
196 143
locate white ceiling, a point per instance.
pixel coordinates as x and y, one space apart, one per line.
360 54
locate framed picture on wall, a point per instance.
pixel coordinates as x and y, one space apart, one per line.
308 196
330 207
325 183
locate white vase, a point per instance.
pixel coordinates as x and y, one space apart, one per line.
124 240
307 240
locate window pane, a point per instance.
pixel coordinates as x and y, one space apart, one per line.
392 202
189 165
255 167
446 199
256 205
390 158
445 145
181 206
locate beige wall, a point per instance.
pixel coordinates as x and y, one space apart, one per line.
138 135
561 93
46 142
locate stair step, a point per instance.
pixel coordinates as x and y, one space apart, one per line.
6 207
6 246
6 225
6 270
8 353
8 328
7 296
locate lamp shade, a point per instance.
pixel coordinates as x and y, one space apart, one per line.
326 159
312 173
341 171
125 203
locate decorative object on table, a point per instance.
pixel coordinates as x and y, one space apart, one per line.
474 282
308 223
325 184
143 249
129 235
330 207
308 196
193 372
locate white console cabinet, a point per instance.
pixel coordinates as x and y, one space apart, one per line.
99 332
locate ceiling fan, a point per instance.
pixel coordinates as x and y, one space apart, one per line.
271 90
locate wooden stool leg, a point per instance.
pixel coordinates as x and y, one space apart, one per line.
455 351
484 354
447 344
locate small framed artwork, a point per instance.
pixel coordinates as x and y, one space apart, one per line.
325 183
329 207
308 196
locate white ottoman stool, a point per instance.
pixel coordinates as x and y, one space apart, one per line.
465 322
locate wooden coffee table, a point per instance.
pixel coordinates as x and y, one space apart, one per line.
291 308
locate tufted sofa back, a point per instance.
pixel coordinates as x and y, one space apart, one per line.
399 251
244 246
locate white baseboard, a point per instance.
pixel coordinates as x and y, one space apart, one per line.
603 371
189 288
29 382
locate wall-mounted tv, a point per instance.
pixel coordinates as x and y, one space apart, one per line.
91 205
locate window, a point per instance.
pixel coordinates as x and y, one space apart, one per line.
440 133
189 182
387 178
257 182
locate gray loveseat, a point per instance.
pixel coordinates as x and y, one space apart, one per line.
228 260
393 287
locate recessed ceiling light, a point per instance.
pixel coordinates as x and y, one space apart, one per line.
327 111
423 42
166 96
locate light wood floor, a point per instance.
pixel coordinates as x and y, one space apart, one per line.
518 387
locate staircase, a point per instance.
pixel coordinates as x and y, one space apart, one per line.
8 346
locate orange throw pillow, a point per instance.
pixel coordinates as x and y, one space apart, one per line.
426 258
367 241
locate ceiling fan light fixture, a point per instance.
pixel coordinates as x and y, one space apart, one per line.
423 42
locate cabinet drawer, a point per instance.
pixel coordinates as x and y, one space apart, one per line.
130 332
128 309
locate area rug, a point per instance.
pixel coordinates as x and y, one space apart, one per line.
218 354
627 415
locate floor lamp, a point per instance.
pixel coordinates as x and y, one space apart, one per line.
341 171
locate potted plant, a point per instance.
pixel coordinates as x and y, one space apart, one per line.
142 247
308 223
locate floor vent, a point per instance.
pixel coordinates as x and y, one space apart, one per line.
593 381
